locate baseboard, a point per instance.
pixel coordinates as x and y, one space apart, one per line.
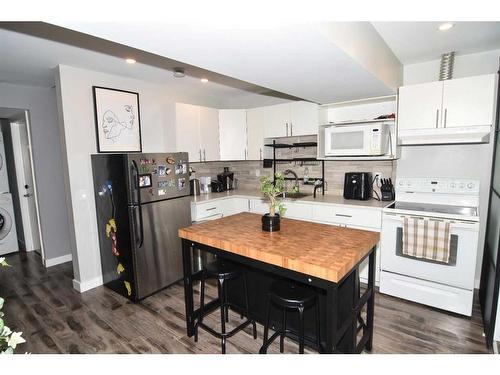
59 260
83 286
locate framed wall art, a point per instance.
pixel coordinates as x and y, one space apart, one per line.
117 120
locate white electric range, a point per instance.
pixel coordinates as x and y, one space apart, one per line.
448 286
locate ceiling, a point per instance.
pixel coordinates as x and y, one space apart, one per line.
414 42
29 60
301 60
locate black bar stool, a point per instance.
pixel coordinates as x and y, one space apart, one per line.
223 272
289 296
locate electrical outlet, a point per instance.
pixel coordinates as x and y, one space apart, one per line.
257 173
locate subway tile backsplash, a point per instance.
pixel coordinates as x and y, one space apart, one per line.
248 172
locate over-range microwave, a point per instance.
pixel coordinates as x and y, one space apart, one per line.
360 139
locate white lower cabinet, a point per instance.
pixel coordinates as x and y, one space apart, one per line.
297 210
233 206
259 206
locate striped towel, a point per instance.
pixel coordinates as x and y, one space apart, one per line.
426 239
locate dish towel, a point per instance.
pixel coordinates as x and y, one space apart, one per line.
426 239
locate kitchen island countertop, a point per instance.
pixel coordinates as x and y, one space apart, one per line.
323 251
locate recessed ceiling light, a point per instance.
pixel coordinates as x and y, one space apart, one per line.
446 26
204 80
130 61
179 73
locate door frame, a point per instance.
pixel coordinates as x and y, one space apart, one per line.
24 115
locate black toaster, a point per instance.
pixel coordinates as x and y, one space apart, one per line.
358 185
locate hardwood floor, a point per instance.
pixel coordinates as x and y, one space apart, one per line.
57 319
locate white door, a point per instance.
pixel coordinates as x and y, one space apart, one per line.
25 184
233 134
187 118
255 133
469 101
304 118
420 106
276 120
209 133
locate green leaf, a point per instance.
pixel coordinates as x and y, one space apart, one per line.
1 325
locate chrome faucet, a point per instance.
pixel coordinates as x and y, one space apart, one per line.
289 171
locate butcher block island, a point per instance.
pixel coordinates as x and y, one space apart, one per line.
321 257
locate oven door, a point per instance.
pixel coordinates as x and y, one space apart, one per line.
352 140
459 272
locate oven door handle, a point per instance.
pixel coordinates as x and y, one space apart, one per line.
454 223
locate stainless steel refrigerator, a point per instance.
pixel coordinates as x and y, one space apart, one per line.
141 202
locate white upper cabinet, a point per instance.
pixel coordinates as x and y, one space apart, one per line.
304 118
197 131
233 134
209 133
420 106
462 102
187 119
469 101
290 119
255 133
276 120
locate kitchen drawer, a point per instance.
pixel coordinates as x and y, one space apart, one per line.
232 206
356 217
200 211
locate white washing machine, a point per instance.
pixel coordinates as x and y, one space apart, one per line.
8 235
4 178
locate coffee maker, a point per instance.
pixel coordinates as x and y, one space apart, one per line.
226 178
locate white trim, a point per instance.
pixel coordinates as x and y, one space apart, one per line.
83 286
59 260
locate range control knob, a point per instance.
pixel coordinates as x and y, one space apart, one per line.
461 186
401 183
453 185
470 185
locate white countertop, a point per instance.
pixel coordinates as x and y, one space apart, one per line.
320 199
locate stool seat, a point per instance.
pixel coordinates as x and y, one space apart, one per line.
222 270
287 296
291 294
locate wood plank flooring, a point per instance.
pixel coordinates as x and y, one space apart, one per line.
57 319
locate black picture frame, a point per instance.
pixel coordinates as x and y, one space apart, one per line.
102 137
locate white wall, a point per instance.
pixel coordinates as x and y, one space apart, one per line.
75 106
41 103
465 66
470 161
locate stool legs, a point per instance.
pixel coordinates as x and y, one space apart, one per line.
222 293
283 330
301 329
247 310
263 349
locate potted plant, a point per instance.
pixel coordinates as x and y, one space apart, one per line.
272 190
8 339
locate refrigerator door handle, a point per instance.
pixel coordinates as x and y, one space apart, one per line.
138 231
137 204
134 184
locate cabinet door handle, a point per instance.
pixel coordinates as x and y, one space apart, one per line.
343 215
286 124
445 113
291 129
204 155
437 117
200 154
260 153
210 209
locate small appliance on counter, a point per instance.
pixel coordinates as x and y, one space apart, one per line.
226 178
205 184
217 186
358 185
194 183
387 190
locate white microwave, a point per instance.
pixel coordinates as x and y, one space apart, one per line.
363 139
